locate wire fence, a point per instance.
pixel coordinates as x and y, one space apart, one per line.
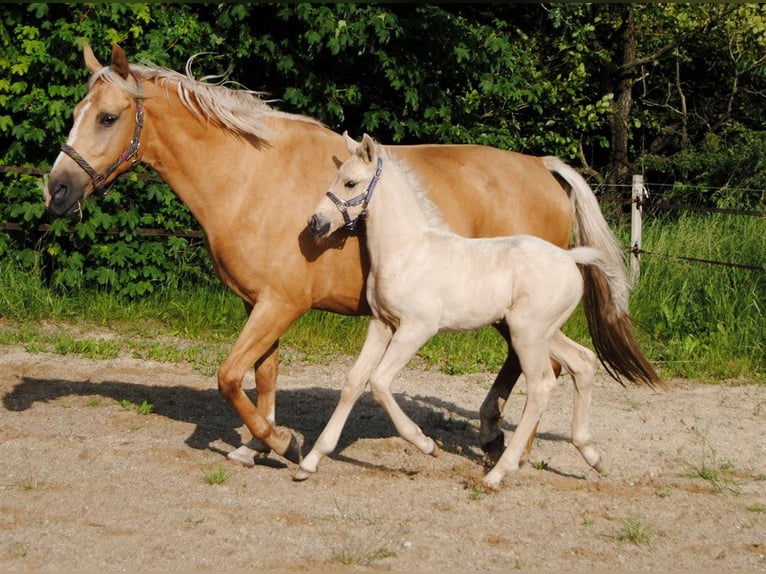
639 201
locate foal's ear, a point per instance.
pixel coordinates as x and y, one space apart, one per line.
120 62
351 144
91 62
367 149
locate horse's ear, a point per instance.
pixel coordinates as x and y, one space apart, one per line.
91 62
367 149
120 62
351 144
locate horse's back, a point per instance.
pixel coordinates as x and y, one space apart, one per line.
486 192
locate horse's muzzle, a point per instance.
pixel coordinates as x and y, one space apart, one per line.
319 225
64 200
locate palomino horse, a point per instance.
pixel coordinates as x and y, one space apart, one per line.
249 175
424 279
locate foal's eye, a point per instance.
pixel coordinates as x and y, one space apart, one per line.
350 184
107 119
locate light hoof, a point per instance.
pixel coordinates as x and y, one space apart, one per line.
302 474
243 455
492 481
599 467
436 450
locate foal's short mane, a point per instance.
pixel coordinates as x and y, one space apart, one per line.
239 110
410 179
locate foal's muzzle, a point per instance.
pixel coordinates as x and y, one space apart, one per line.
319 225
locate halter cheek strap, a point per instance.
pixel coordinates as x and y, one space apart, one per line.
363 198
100 187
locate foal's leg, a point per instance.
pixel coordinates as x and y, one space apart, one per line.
405 343
491 436
581 364
541 380
378 337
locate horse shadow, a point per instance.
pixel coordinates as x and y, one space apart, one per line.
305 410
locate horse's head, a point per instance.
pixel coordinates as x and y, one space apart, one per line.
104 139
345 203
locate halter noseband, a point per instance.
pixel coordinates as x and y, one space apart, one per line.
100 187
363 198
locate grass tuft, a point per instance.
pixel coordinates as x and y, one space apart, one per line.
636 531
217 474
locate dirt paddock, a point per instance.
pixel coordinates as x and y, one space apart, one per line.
87 482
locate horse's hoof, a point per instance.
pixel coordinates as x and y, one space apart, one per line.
293 451
243 455
302 474
260 447
494 449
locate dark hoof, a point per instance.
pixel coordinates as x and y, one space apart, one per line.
293 452
494 449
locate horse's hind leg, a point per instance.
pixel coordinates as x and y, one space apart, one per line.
580 362
378 336
541 380
491 436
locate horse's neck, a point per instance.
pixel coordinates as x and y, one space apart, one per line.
188 155
396 220
213 171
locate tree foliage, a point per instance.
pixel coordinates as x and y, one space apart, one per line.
542 79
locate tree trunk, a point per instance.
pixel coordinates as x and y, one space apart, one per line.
621 168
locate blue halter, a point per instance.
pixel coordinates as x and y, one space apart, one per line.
363 198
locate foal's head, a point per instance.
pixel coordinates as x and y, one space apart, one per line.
345 203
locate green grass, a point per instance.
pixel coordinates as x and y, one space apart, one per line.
217 474
636 531
144 408
693 320
718 474
703 320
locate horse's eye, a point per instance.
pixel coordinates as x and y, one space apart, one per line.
107 119
350 184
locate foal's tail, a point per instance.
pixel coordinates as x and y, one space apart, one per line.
605 309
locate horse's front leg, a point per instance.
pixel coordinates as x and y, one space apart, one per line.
378 337
266 372
265 324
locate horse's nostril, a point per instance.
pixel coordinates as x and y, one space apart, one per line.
318 225
60 193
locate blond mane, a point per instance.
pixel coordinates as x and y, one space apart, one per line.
239 110
431 213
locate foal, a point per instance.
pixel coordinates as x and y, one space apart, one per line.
424 279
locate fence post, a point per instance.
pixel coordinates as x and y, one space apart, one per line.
636 204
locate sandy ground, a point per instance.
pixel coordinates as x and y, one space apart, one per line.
88 483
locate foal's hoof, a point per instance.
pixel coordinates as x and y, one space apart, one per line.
302 474
436 451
